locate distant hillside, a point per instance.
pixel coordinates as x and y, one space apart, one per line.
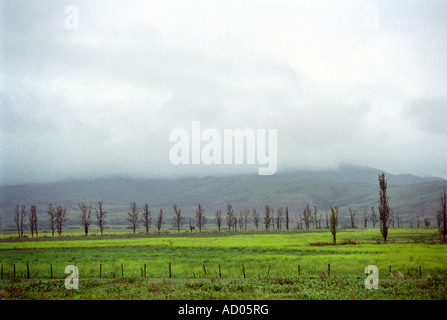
355 187
358 174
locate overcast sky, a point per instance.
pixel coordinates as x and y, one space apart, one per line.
359 82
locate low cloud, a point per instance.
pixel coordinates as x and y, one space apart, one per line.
428 114
101 100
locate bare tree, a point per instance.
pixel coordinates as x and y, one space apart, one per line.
33 220
315 217
61 218
191 224
218 219
373 217
23 214
307 216
417 220
267 219
177 220
352 215
17 219
287 218
230 216
241 220
278 218
100 216
201 219
427 223
147 218
256 218
333 224
52 216
85 216
365 218
299 222
312 221
160 220
246 214
133 216
384 208
327 220
391 219
443 214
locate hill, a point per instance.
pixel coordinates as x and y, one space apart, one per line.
348 186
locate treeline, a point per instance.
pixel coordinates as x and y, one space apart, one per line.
228 219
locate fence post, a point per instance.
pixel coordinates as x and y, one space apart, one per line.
328 269
145 270
420 272
390 270
169 270
2 271
51 271
204 269
220 273
100 270
122 271
14 270
299 270
27 271
268 271
243 270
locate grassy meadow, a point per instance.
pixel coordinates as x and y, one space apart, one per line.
253 265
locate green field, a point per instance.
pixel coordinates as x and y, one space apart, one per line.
253 265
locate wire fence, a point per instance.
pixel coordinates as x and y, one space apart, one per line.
103 271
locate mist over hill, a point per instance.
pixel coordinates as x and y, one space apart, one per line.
347 186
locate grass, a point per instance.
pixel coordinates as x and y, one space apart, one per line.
275 287
270 261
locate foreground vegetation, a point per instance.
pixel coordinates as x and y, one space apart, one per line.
274 287
213 265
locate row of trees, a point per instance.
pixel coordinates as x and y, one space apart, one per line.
227 219
57 218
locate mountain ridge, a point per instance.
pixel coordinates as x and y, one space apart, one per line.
347 186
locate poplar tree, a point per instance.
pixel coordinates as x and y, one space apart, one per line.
443 214
267 219
384 208
160 220
33 220
333 224
100 216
